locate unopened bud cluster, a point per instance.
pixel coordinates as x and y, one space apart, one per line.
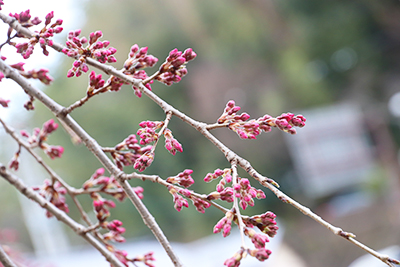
174 68
53 192
41 37
184 179
265 222
138 59
139 156
249 129
242 190
41 74
83 48
39 136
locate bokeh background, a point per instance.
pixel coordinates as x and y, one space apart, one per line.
336 62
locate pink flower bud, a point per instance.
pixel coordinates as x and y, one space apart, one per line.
49 17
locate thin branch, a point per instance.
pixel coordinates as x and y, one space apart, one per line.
5 259
149 220
236 204
336 230
161 132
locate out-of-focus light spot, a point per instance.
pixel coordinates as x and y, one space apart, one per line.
344 59
394 104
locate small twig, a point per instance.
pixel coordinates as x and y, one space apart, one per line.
336 230
236 204
150 222
5 259
152 77
77 104
161 132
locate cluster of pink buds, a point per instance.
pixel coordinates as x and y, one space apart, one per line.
241 190
109 185
260 254
4 102
183 179
127 158
121 255
54 193
1 3
101 207
174 68
144 161
138 59
284 122
234 261
95 49
146 258
29 104
229 113
39 137
180 202
14 163
148 131
41 74
226 178
259 240
95 82
171 144
245 192
200 204
41 37
249 129
265 222
116 231
225 195
225 224
178 199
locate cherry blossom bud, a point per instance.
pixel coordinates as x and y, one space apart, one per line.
4 102
49 17
14 163
189 54
184 179
143 161
260 254
19 66
54 151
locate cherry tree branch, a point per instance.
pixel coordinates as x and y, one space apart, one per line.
60 215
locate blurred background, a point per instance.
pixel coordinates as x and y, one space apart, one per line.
335 62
